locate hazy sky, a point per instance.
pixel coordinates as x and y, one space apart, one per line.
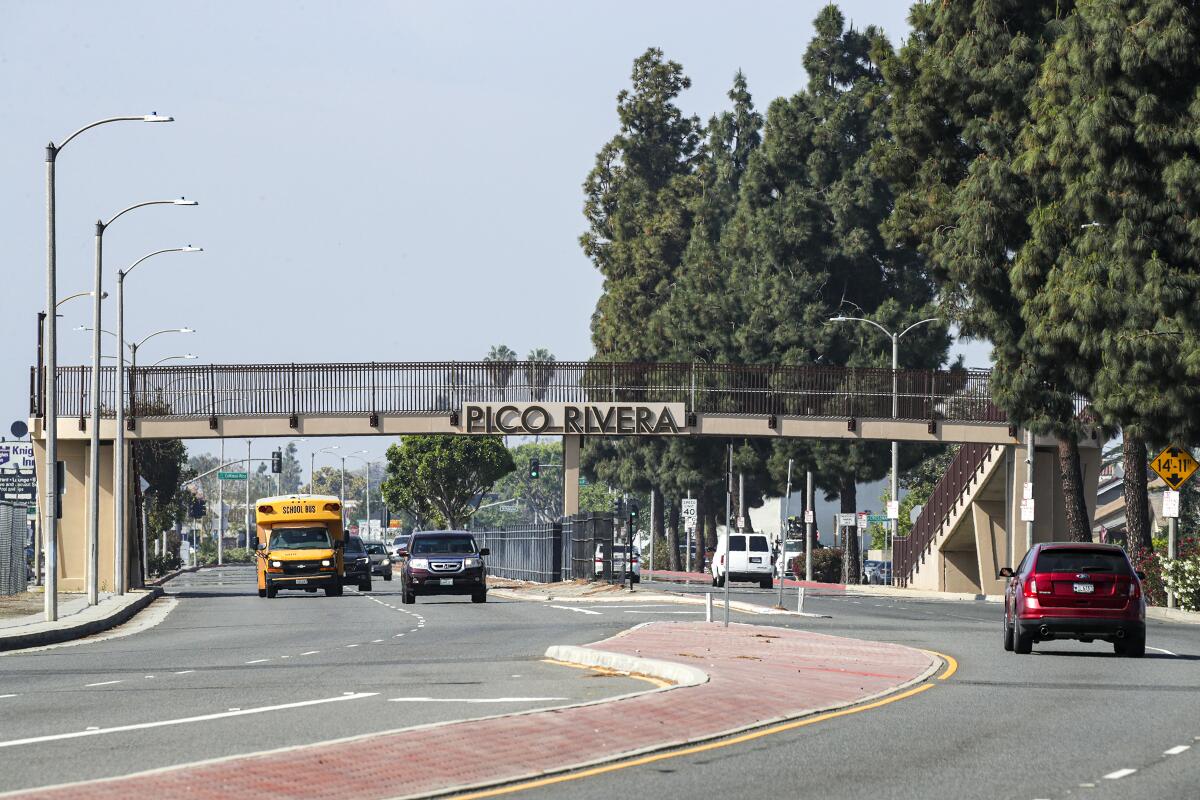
377 180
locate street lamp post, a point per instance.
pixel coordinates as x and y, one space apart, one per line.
119 448
93 555
50 409
895 477
312 475
187 356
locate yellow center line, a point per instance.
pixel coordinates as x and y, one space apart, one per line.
951 663
687 751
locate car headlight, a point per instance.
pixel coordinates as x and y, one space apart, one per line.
326 563
419 563
363 560
472 562
385 562
276 564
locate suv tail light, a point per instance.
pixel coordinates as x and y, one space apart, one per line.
1031 587
1135 588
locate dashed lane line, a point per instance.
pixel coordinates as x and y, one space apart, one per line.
5 696
310 653
1118 774
258 661
1177 749
101 683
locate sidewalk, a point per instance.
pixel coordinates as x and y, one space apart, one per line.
756 675
76 619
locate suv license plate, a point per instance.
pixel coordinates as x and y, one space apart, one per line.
1084 588
446 581
302 582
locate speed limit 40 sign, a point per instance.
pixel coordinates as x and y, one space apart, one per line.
687 510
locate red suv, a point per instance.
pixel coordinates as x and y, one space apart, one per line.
1067 590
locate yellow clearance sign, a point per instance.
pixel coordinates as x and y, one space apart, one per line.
1174 465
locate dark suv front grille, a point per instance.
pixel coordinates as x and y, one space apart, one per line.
445 566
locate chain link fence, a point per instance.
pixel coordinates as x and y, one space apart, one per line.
12 549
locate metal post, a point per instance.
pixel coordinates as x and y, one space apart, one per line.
370 528
220 550
650 571
93 529
1029 456
787 502
687 544
1172 533
50 412
741 502
708 607
728 529
895 522
341 491
800 600
221 498
809 506
119 490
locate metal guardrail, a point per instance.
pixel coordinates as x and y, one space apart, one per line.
910 551
524 552
218 390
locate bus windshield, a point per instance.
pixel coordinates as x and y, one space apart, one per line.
300 539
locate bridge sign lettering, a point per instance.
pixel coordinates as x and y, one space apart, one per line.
613 419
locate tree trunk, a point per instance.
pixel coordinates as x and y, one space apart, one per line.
1071 475
1139 537
851 562
672 561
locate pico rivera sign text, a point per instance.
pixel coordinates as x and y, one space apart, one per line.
607 419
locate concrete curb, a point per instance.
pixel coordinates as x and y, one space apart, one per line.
867 590
80 629
677 674
1173 615
161 579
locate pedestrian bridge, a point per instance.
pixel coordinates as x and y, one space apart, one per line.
260 400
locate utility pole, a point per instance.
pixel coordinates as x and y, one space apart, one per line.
783 528
220 503
1029 456
247 494
810 512
728 528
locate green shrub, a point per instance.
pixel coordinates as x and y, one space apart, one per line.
161 565
826 564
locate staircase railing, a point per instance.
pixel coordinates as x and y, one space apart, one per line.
910 551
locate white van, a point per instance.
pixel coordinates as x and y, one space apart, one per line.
749 560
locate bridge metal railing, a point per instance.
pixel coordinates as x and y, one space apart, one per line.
908 552
222 390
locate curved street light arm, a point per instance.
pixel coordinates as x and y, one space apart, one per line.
119 214
138 118
122 273
886 332
159 333
915 324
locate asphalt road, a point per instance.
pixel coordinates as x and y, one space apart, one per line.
1002 726
1069 721
359 664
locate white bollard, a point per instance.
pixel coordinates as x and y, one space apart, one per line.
800 601
708 607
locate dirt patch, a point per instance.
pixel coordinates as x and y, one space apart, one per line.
21 605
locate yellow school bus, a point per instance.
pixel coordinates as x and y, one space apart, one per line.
300 541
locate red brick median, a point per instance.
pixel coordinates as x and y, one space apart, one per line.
756 674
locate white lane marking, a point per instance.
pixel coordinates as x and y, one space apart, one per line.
351 645
182 720
258 661
1177 749
184 671
310 653
101 683
472 699
1121 773
376 641
577 610
663 612
398 635
1160 650
149 676
3 696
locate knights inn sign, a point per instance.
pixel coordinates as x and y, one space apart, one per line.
615 419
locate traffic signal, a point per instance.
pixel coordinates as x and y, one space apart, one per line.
277 462
198 508
633 510
535 470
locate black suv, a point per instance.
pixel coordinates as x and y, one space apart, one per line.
444 562
358 564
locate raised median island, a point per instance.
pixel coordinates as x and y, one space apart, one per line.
732 679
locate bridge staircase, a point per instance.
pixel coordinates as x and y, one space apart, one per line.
960 538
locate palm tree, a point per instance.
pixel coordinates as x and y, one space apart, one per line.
539 369
500 360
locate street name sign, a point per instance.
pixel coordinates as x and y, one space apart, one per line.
232 476
877 517
1174 465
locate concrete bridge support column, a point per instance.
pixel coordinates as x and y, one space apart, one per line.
570 472
72 529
